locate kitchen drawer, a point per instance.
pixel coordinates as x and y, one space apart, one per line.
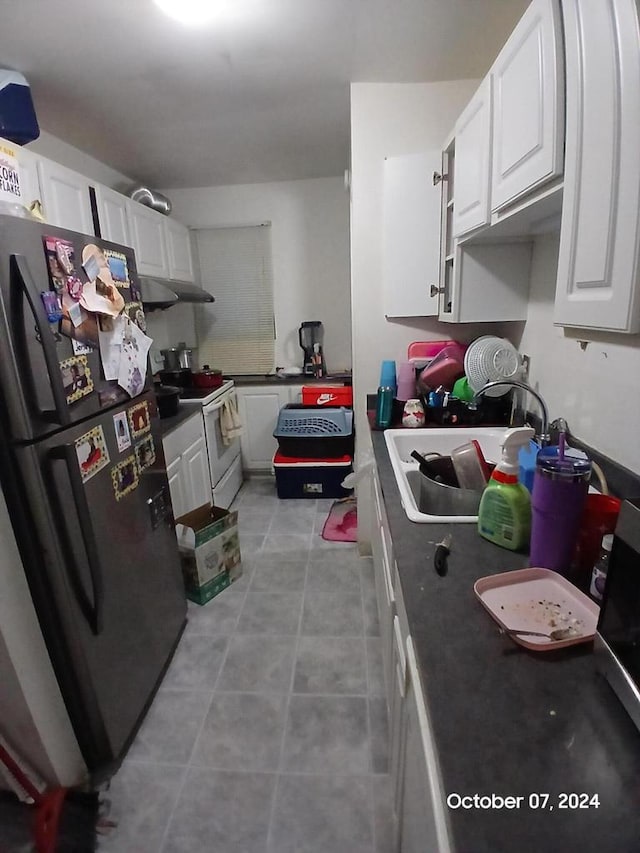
403 622
229 485
381 518
183 437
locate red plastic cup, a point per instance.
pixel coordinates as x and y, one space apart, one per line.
599 517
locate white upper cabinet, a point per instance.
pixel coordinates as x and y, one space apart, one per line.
65 197
598 264
411 235
29 180
528 106
178 246
112 215
482 281
147 233
473 161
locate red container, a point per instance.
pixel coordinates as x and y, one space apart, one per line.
599 516
298 477
327 395
207 378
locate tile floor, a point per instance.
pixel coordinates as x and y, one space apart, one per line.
269 733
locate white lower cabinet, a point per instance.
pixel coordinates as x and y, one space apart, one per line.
419 811
421 816
177 487
258 407
187 464
385 595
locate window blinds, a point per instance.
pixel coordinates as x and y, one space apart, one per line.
236 332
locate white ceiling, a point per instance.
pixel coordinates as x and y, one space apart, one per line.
260 97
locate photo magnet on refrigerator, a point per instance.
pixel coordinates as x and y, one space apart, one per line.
124 477
139 419
121 427
80 348
92 453
76 378
77 322
145 453
117 263
135 313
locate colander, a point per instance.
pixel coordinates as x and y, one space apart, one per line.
489 359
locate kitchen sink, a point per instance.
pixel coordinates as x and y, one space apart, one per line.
400 443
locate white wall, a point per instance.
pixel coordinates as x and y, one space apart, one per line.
310 244
594 387
387 120
173 326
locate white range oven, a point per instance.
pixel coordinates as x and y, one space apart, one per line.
225 464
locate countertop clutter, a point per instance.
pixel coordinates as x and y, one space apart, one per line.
506 721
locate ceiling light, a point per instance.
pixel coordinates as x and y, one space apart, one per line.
194 12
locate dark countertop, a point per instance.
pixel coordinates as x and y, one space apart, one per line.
185 412
506 720
273 379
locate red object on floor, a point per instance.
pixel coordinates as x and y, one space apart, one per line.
342 522
47 804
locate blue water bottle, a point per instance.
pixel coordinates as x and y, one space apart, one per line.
384 406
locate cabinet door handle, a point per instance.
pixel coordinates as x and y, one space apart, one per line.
438 177
434 290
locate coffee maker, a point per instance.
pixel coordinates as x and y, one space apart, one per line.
310 335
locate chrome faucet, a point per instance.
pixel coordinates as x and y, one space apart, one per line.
544 423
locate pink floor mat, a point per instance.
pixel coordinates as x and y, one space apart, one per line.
342 522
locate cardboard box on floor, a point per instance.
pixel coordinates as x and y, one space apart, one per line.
209 547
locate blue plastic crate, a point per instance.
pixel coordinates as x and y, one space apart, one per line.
305 422
315 431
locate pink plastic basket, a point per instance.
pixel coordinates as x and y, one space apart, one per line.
445 368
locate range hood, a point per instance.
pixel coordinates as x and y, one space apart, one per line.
161 293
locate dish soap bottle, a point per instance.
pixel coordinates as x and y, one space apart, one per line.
504 516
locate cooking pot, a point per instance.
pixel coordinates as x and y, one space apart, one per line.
168 400
171 358
182 377
187 357
440 493
207 378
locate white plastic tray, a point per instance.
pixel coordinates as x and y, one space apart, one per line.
538 600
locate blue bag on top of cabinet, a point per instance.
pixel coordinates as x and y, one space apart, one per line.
18 122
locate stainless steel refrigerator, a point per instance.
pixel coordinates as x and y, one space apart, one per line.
83 475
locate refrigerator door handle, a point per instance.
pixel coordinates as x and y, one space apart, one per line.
23 284
93 612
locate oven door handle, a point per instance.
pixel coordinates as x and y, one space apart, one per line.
215 406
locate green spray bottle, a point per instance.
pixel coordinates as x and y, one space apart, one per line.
504 516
